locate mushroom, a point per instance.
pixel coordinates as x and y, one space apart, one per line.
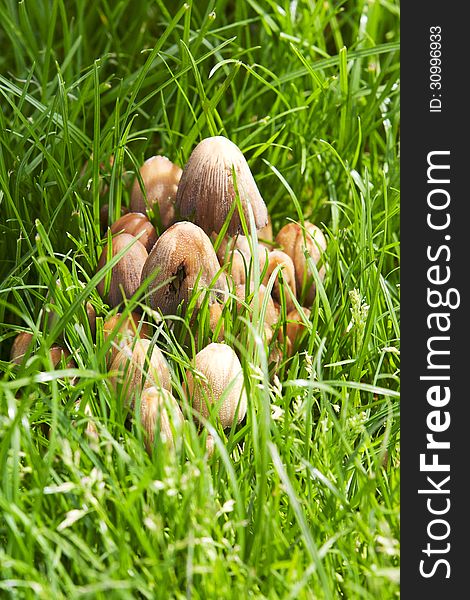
160 178
22 343
295 327
137 369
237 253
125 275
207 191
271 316
123 334
210 445
20 346
91 316
159 411
291 240
57 353
278 258
104 216
215 316
136 223
182 259
217 383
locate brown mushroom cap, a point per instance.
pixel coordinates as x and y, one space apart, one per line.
182 258
292 242
104 216
160 178
125 275
159 404
125 333
271 315
138 370
237 253
221 369
206 189
295 327
20 346
91 315
279 258
135 223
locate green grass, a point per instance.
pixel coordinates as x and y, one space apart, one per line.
302 500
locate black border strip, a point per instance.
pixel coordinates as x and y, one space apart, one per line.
435 262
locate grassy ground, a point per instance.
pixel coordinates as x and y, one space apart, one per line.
302 500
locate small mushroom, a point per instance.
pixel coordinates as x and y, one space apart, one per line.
295 327
238 267
271 316
278 258
160 178
20 346
22 343
215 315
124 334
125 275
237 253
182 259
137 370
59 353
104 216
159 412
207 191
291 240
210 445
217 383
136 223
91 315
229 245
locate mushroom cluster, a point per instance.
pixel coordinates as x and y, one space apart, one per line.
191 238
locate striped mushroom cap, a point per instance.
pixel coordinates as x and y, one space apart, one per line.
182 259
207 191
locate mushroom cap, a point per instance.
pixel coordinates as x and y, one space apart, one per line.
58 352
20 346
182 258
136 223
139 370
271 316
159 404
221 369
295 327
237 253
124 334
104 216
125 275
160 178
279 258
292 242
91 315
206 189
